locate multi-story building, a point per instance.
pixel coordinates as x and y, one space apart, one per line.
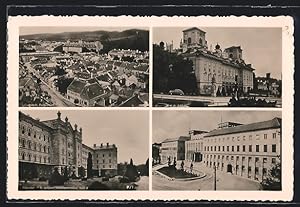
194 146
247 150
173 148
44 145
216 71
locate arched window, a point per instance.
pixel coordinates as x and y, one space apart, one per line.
40 148
40 159
23 142
44 148
189 40
29 157
23 129
29 132
23 156
34 146
29 144
34 158
200 41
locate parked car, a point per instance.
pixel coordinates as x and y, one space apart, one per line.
176 92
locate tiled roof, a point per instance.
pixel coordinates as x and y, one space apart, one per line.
181 138
273 123
193 28
132 101
76 86
104 77
142 67
91 91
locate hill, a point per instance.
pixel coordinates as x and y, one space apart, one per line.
128 39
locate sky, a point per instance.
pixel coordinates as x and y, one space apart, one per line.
262 47
183 121
129 130
53 30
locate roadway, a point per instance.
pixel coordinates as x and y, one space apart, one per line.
56 98
225 181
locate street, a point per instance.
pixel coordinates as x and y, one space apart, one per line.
225 181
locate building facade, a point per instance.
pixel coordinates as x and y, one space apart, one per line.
45 145
246 150
216 71
173 148
194 146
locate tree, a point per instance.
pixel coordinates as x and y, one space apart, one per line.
90 166
81 172
273 180
172 71
131 171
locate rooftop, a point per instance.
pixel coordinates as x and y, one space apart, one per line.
273 123
180 138
193 28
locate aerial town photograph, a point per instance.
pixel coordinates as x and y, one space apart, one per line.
211 66
83 66
83 150
216 150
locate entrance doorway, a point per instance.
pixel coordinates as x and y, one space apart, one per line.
229 168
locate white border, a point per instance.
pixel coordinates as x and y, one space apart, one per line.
128 21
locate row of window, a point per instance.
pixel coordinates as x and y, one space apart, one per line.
103 166
34 134
210 157
239 138
103 155
103 161
242 148
35 158
237 168
35 146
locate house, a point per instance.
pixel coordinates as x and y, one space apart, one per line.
131 80
133 101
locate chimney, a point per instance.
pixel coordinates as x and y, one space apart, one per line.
107 144
80 130
95 145
75 126
101 144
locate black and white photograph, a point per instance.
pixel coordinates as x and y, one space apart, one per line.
83 150
216 150
217 66
83 66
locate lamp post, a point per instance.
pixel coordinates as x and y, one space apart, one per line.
215 177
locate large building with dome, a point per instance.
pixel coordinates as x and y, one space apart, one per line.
217 71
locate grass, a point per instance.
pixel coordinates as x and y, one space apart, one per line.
175 173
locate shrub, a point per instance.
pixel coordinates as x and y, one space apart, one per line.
56 178
98 186
124 179
43 179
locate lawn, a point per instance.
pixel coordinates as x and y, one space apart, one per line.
175 173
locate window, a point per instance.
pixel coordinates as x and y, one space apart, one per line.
250 137
109 166
250 148
273 160
29 132
232 148
273 147
29 145
264 171
215 148
103 166
23 129
103 155
23 156
23 142
256 159
265 136
274 135
44 148
109 160
34 135
103 161
265 148
223 148
231 157
244 148
227 148
237 148
265 160
257 148
219 148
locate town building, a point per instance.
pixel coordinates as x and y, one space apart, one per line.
173 148
55 143
247 150
267 85
216 71
78 47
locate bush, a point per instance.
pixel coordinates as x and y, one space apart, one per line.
124 179
43 179
56 178
98 186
